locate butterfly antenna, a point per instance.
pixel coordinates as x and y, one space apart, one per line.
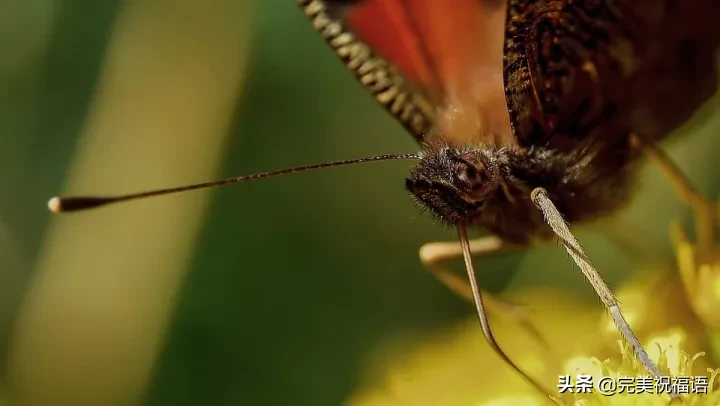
555 220
75 203
482 315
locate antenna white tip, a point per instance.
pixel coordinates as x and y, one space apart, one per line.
54 205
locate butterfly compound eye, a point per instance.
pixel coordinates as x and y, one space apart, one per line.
468 174
475 177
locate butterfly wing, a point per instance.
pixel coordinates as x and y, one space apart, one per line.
404 101
430 64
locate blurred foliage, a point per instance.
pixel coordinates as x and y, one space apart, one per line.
295 280
48 69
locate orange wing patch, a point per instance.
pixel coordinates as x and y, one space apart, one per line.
453 51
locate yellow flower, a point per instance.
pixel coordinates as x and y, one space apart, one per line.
638 388
457 367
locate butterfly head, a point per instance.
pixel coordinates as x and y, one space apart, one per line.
454 183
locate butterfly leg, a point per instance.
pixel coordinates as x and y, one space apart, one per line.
706 212
698 262
435 256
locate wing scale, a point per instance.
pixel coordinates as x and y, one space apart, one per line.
409 106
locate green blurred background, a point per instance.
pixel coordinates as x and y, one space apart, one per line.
285 286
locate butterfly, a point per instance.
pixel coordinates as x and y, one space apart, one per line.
529 114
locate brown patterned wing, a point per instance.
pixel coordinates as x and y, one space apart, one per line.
598 70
